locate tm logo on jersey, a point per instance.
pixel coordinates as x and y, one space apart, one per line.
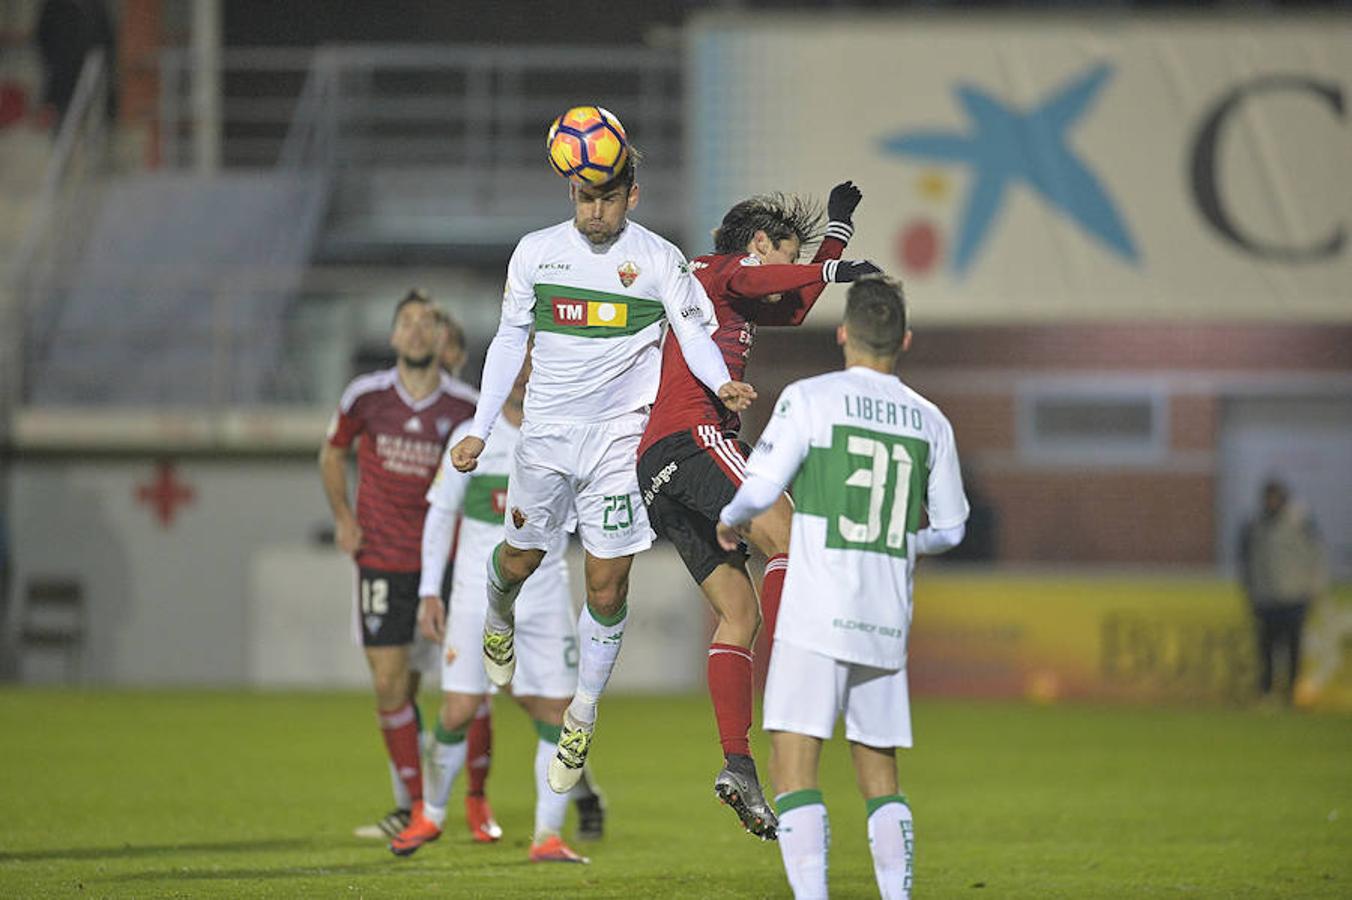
589 312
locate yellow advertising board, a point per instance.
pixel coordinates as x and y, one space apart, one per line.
1116 638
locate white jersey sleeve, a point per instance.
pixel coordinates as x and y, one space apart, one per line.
691 317
775 461
518 294
444 497
502 364
507 351
946 502
784 444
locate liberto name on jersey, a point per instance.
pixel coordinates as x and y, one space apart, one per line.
597 314
866 457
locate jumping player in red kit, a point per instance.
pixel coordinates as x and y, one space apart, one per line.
691 462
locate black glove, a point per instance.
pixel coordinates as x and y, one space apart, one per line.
840 205
843 270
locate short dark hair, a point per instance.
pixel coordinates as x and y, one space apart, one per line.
628 173
454 332
414 295
875 314
780 216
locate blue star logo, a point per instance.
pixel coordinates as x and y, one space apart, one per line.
1005 146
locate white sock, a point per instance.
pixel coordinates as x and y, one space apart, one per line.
804 839
402 800
550 808
891 841
600 648
501 596
440 772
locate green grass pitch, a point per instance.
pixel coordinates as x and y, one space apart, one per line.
188 794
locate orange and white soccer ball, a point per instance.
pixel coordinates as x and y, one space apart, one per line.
587 145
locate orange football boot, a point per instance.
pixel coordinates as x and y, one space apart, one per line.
420 830
553 849
479 817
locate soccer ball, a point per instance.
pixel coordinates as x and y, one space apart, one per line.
587 145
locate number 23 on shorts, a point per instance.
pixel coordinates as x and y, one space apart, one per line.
618 513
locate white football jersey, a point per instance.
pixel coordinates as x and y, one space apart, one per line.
864 454
481 498
598 316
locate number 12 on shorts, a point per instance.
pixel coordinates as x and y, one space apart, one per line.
618 513
375 596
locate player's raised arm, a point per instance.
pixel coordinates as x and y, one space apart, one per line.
792 302
688 312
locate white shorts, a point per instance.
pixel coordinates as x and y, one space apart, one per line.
805 692
546 637
579 473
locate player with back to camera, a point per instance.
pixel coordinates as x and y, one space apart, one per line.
691 461
400 418
479 737
596 288
866 456
546 640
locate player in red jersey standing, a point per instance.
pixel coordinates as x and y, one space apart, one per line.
691 461
403 416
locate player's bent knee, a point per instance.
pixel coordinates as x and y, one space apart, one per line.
391 692
518 564
544 709
607 598
457 710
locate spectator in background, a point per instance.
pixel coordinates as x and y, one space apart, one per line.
66 32
1282 566
454 353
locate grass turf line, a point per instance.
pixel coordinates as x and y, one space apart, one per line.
220 794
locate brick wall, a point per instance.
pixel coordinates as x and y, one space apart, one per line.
1160 512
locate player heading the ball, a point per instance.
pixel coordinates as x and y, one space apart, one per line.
596 289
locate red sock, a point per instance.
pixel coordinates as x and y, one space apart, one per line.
730 687
480 750
775 569
400 730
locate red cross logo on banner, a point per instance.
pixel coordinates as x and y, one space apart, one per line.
165 493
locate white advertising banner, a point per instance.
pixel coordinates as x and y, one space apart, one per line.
1048 170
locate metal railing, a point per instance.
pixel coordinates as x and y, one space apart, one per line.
55 235
460 106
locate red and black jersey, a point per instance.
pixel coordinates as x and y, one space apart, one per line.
742 292
401 446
